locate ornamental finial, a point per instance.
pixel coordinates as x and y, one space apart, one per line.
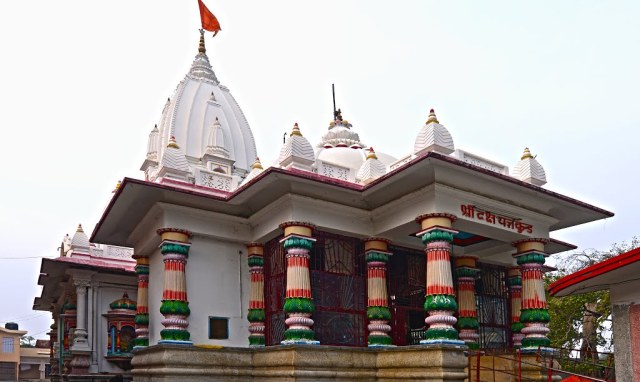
201 48
526 154
371 154
79 228
432 117
295 131
117 187
172 143
257 164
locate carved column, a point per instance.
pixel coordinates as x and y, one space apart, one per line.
466 272
142 308
256 315
54 351
298 304
80 349
175 304
377 255
514 281
440 303
534 314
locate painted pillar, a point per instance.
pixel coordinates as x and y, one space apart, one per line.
466 274
534 314
514 281
54 353
440 302
298 304
175 305
142 308
256 315
80 349
377 255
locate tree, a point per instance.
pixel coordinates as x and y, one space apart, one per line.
578 321
27 342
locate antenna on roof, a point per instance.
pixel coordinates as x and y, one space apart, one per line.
333 91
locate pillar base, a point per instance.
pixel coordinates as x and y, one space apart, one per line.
300 342
442 342
175 342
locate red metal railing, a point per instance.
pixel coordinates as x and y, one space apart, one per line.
548 362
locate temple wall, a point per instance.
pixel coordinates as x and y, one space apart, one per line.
626 330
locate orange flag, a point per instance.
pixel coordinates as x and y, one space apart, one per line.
209 21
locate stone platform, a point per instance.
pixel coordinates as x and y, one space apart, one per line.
300 363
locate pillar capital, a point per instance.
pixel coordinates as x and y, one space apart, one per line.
436 219
255 249
376 244
530 244
175 234
294 228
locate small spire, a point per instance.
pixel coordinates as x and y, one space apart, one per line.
432 117
201 48
155 127
117 187
79 228
257 164
172 143
526 154
295 131
371 154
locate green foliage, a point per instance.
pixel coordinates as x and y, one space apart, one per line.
567 313
27 342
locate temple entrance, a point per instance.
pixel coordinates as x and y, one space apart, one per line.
407 280
338 282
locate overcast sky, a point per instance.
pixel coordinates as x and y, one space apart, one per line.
83 82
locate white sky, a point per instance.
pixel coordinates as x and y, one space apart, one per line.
83 82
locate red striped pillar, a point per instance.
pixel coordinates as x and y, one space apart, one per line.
142 307
175 304
298 304
466 272
514 281
440 302
534 314
256 315
377 255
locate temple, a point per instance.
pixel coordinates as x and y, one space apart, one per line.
336 262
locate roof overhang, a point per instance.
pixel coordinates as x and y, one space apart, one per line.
54 271
616 270
135 198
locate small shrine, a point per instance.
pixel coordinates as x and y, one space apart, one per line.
121 331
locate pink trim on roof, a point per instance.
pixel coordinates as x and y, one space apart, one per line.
96 263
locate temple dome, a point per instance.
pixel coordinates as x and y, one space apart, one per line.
80 239
340 135
296 152
529 170
433 137
372 168
124 303
202 114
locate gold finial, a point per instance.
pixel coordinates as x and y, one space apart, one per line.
79 228
295 131
371 154
172 143
432 117
526 154
201 48
117 187
257 164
